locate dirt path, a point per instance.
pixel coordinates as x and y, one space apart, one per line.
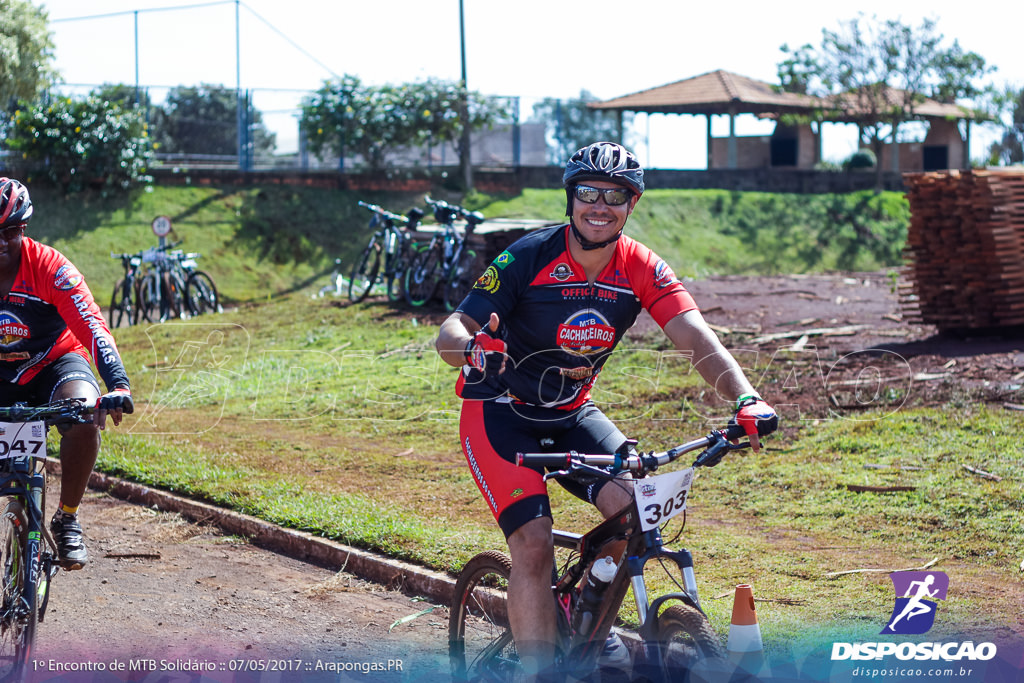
165 594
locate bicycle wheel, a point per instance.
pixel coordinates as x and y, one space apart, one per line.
364 274
460 280
120 306
201 293
149 298
423 276
685 635
480 644
172 303
18 613
395 266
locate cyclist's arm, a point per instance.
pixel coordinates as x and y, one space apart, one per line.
454 336
690 333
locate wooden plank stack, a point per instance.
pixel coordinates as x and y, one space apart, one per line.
965 249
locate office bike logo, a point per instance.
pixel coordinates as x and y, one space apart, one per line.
913 614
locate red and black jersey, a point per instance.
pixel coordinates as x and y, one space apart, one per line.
559 328
48 313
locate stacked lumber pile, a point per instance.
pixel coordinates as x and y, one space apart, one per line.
965 249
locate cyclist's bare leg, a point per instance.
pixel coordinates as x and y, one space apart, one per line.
79 446
530 602
612 497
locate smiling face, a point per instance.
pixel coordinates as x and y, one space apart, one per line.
598 222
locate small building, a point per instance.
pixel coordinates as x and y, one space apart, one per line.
797 145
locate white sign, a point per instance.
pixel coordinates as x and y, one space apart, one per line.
161 226
22 438
662 497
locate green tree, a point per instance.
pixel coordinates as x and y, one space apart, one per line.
26 53
878 72
204 120
350 119
1010 147
571 124
78 142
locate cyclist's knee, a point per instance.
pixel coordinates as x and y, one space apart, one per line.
85 435
532 547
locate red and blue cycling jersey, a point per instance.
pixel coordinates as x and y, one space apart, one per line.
50 312
560 329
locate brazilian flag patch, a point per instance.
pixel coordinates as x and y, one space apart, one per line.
504 258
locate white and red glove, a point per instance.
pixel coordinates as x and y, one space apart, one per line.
486 353
756 417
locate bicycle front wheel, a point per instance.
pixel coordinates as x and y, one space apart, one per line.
201 293
460 280
685 636
364 275
480 644
149 298
423 276
19 615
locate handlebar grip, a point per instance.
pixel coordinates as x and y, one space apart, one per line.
543 460
733 432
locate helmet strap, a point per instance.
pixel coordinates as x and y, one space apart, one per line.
587 244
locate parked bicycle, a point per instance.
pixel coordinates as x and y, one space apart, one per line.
28 553
446 258
481 646
124 308
174 287
390 246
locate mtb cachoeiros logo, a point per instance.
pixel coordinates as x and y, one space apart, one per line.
913 613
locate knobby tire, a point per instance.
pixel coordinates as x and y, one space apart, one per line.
19 613
480 644
685 637
364 274
423 276
460 280
201 293
120 306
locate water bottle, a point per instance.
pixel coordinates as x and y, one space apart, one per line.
589 601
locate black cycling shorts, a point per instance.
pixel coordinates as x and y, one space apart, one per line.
491 434
41 389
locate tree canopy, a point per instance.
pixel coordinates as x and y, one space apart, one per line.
26 53
351 119
571 124
880 71
204 120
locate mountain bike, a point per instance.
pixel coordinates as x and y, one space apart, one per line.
446 258
124 301
200 290
162 288
391 243
28 553
481 646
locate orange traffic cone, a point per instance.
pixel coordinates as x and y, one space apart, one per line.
744 645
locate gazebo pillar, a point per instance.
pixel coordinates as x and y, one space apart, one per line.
710 143
733 161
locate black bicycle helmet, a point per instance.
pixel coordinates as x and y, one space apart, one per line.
603 161
15 205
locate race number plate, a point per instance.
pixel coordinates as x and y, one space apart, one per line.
662 497
22 438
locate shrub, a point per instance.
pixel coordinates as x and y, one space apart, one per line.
75 143
862 158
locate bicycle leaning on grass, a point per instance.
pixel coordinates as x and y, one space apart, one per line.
28 553
481 646
124 305
391 247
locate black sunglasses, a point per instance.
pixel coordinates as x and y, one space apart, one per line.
614 196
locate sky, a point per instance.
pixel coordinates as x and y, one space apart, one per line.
527 48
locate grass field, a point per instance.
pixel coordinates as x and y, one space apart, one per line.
341 420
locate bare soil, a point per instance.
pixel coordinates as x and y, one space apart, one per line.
164 592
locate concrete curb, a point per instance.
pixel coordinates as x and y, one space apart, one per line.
394 574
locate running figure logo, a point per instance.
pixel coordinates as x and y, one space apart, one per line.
914 612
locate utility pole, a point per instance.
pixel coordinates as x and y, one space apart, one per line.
465 162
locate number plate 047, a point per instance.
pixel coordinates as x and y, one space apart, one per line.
22 438
662 497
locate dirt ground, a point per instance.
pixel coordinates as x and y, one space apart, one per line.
164 596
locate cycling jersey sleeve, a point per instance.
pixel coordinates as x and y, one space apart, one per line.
657 286
74 301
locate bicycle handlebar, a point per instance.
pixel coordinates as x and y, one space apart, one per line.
716 444
64 410
394 217
473 218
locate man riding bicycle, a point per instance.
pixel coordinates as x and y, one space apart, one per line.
531 339
48 319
